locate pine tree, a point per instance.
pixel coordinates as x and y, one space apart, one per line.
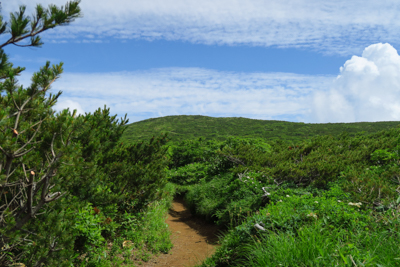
54 166
33 140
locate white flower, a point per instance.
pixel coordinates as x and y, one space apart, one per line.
311 214
127 243
287 196
316 202
339 201
280 200
355 204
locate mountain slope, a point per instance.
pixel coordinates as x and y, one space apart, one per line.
184 127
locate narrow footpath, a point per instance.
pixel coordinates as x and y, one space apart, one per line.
194 240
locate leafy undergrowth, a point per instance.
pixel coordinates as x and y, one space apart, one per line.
328 201
140 236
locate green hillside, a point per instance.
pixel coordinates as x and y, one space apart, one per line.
186 127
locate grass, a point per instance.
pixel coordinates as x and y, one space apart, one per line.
318 245
311 231
151 235
145 235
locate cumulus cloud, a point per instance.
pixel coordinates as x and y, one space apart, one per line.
191 91
333 27
367 89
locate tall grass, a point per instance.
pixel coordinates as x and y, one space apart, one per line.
151 232
143 235
316 245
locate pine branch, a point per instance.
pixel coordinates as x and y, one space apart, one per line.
46 18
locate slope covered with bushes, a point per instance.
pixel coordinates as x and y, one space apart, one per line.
190 127
326 201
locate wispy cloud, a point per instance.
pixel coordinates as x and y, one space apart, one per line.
333 27
367 89
191 91
41 60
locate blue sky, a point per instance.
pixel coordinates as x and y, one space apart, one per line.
294 60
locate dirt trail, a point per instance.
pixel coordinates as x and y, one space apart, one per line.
193 239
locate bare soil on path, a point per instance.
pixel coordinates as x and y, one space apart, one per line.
194 239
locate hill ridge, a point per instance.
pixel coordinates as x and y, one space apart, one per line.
185 127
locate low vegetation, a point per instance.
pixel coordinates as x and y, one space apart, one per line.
325 201
191 127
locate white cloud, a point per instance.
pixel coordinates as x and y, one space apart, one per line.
334 27
85 41
68 103
367 89
191 91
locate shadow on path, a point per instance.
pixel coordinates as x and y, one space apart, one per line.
194 239
179 213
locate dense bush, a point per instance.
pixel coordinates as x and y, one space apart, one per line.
67 183
220 196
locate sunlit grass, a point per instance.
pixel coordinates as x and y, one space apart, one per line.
316 245
145 235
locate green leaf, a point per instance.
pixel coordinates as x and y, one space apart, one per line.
343 257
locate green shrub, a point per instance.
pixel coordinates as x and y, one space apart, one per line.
189 174
218 197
